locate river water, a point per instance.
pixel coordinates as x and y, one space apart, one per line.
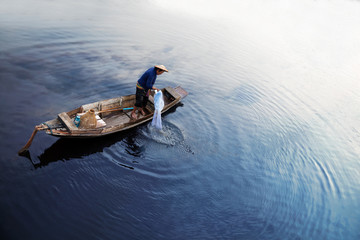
265 146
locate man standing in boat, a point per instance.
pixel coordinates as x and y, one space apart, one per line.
143 87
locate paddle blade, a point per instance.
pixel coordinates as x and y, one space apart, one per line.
24 149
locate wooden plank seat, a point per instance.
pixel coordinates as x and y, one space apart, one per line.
66 120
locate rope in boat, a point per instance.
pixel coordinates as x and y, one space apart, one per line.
48 127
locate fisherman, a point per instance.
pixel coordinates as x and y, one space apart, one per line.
143 87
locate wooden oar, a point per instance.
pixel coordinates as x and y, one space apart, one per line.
113 110
27 145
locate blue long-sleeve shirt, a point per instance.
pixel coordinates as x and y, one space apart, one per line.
147 80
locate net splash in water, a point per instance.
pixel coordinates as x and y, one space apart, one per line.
159 105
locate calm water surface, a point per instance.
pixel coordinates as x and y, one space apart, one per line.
266 145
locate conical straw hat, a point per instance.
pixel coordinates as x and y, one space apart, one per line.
162 67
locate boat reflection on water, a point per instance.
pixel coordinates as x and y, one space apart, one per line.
66 149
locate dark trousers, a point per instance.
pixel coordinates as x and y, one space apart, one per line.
141 98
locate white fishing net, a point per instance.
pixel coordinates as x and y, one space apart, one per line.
159 105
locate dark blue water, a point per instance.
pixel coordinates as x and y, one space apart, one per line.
266 145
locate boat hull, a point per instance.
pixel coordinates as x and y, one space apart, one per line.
116 121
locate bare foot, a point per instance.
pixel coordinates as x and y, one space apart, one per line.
142 112
133 115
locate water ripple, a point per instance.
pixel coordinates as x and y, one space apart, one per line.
265 146
168 135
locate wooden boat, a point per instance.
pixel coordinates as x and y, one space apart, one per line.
113 113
